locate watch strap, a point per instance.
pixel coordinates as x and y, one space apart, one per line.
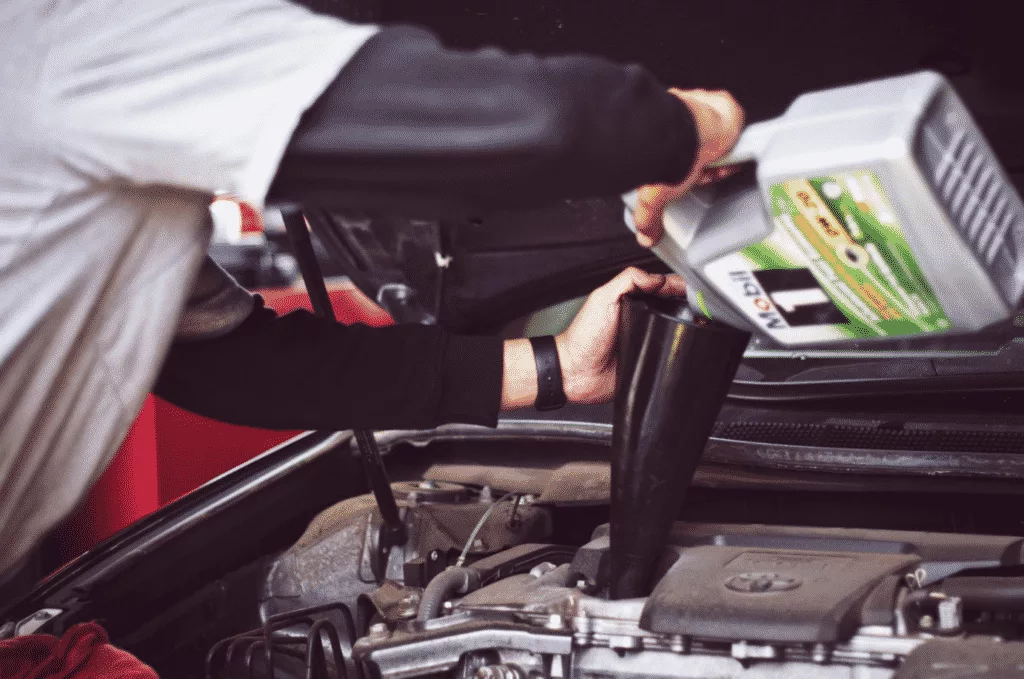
550 392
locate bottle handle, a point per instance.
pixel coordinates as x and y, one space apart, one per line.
751 145
682 217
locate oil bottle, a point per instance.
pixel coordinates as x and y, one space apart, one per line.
875 210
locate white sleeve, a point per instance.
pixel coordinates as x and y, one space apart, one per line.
197 94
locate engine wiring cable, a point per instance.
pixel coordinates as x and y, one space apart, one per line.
480 524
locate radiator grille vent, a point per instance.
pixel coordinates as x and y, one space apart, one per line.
872 437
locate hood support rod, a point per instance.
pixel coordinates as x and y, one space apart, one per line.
392 530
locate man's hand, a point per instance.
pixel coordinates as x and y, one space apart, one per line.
719 120
587 348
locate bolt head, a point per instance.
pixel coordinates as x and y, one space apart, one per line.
926 622
542 569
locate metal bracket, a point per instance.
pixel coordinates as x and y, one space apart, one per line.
35 622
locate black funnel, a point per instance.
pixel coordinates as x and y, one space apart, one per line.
674 369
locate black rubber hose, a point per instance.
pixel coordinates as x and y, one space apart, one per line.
987 593
445 585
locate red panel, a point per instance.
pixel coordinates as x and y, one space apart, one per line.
126 491
193 449
170 451
350 304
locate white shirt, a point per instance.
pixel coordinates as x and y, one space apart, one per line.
119 119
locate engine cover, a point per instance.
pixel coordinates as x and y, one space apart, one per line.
722 592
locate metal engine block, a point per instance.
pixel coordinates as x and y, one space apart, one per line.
730 601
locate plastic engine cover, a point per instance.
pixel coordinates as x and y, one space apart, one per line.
767 594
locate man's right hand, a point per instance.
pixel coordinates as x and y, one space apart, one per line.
719 119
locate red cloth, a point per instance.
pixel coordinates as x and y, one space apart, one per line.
82 653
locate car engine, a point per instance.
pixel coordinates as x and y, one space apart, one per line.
478 593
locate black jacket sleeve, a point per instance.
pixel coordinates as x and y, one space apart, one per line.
408 118
302 372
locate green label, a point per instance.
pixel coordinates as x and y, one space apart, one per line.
836 267
702 303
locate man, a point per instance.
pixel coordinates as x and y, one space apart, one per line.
119 119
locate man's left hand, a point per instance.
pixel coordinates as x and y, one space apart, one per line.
587 349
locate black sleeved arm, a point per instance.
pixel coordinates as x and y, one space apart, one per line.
408 117
302 372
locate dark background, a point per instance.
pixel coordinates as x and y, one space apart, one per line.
765 51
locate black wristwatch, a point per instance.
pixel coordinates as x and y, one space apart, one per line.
550 394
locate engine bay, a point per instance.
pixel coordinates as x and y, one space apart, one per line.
481 591
465 577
